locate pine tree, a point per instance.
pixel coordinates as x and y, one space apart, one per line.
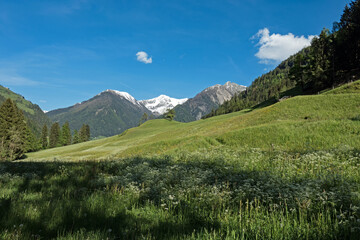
84 133
76 137
13 130
44 137
32 144
66 134
87 132
54 139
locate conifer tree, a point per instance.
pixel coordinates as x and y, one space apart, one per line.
84 133
76 137
66 134
32 143
54 138
87 132
12 131
44 137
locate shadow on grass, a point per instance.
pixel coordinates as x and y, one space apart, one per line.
54 198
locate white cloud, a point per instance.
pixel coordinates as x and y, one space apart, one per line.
143 57
277 47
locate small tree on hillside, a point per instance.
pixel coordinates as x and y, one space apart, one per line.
143 118
170 114
44 137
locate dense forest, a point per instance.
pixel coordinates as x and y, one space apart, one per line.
332 59
17 137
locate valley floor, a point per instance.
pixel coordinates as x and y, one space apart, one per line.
218 194
287 171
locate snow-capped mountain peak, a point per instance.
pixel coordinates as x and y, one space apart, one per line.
124 95
162 103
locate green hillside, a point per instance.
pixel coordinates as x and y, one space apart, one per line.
286 171
332 59
35 116
352 87
297 124
107 114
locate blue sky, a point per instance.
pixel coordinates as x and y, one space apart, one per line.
58 53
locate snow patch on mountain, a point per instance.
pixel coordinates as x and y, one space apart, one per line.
162 103
124 95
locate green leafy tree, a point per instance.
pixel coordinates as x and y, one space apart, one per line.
54 138
170 114
66 134
44 137
13 131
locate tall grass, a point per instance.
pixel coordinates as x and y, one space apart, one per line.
222 194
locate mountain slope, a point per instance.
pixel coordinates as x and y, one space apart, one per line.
108 113
205 101
160 104
35 117
297 124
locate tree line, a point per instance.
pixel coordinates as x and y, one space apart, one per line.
17 138
332 59
61 136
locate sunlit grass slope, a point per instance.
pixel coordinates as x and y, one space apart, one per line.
352 87
297 124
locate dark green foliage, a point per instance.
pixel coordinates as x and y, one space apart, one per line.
170 114
66 134
44 137
84 133
347 41
76 138
54 138
13 132
33 114
32 143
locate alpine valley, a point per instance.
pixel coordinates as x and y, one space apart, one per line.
111 112
278 160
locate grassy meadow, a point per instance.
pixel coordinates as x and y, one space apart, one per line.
286 171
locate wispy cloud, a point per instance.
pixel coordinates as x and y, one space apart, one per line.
143 57
276 47
13 79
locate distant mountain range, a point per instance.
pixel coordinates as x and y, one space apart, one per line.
162 103
111 112
210 98
108 113
35 117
